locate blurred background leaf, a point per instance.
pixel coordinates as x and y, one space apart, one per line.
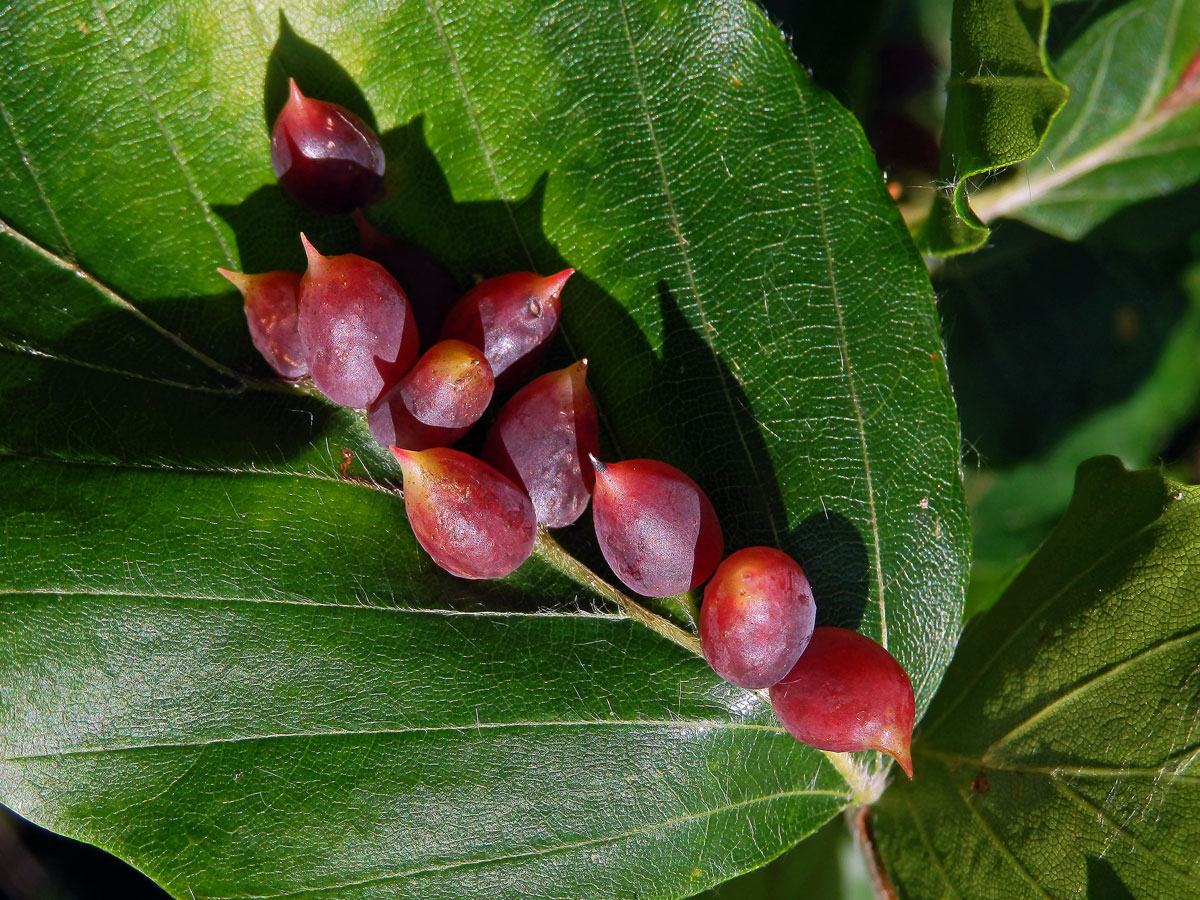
223 655
1131 130
827 865
1000 99
1059 352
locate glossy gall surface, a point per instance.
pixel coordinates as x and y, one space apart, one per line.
757 617
656 528
511 318
542 439
430 287
469 518
271 303
848 693
356 326
325 156
437 402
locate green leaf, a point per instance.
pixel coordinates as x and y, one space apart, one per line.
232 666
1130 131
1058 758
1000 100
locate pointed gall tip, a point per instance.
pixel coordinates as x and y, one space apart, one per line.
554 283
370 239
577 373
600 467
314 257
294 95
239 280
402 456
365 228
900 750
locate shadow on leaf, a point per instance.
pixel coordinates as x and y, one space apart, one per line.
834 557
685 395
316 72
1103 882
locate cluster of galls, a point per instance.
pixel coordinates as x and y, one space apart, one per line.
356 325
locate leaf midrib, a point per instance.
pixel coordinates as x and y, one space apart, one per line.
110 295
63 593
546 548
1017 193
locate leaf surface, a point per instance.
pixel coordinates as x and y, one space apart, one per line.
1059 757
233 667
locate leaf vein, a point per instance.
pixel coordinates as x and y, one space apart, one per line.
117 300
1115 773
1034 616
1164 57
62 593
1087 685
998 842
6 453
924 839
1084 116
1137 845
490 163
844 350
465 728
12 344
37 182
1012 195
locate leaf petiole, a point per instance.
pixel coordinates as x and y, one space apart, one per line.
553 553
